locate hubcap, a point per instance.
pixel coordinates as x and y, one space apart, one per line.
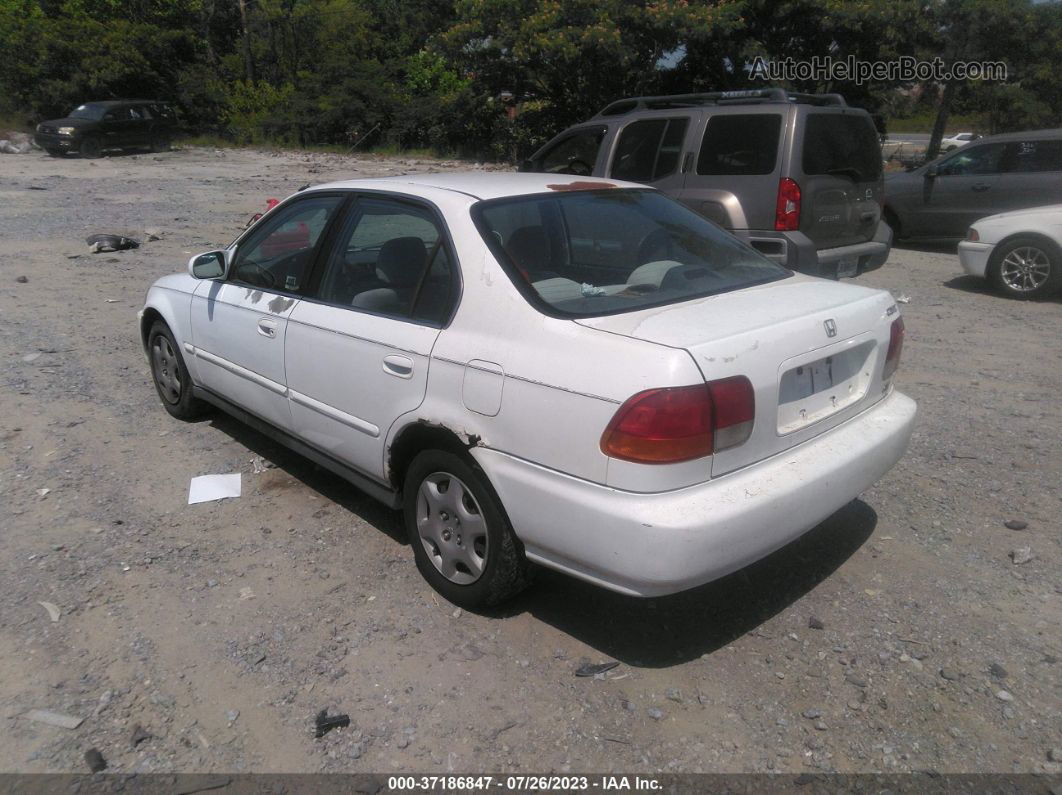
167 374
1025 269
452 528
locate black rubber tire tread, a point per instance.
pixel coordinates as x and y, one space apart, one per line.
90 148
507 571
188 407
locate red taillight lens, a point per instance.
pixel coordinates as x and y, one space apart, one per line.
787 209
892 358
665 426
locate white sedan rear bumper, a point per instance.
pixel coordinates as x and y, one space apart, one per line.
974 257
655 544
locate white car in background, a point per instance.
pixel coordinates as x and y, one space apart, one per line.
955 141
1020 252
540 368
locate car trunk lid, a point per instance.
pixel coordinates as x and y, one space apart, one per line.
812 349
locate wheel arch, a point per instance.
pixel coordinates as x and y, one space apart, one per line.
1053 246
422 435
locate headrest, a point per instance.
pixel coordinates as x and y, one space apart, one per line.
401 261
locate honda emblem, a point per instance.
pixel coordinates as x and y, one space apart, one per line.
830 326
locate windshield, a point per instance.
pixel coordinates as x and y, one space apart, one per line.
588 253
94 112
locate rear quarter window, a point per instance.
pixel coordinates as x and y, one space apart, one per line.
841 144
740 144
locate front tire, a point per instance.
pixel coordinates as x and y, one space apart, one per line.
159 143
170 376
53 152
90 148
1026 268
462 540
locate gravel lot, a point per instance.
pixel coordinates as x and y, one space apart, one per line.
901 634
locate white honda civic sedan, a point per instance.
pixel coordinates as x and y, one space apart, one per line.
539 369
1019 252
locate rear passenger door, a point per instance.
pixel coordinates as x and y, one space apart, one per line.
358 348
735 179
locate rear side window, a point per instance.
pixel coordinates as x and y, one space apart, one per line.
649 150
841 145
740 144
1033 156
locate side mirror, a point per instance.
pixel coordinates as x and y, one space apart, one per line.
211 265
527 165
931 173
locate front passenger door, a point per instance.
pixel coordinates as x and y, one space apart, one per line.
357 353
239 324
964 189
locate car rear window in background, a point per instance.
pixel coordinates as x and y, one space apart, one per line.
590 253
740 144
841 145
649 150
1033 156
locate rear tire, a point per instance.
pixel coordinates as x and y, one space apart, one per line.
1026 268
462 540
90 148
55 152
159 143
170 376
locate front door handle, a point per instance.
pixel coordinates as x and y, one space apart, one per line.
399 366
980 186
267 328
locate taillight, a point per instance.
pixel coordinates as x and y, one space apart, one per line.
665 426
892 358
787 208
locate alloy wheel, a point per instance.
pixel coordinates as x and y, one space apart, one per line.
1025 269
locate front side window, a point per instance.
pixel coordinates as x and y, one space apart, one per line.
392 259
972 160
574 154
649 150
1030 157
588 253
278 253
741 144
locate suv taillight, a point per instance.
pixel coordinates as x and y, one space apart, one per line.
892 358
787 208
665 426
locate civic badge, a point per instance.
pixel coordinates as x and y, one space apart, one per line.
830 326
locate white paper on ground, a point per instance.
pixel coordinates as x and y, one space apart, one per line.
213 487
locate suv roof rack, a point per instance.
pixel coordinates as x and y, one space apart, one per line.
738 97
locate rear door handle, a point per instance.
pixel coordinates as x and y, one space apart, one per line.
267 328
399 366
980 186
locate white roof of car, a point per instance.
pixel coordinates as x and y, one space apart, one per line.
481 184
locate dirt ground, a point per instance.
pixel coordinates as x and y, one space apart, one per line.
898 635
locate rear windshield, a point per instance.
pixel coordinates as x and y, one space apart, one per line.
588 253
841 145
741 144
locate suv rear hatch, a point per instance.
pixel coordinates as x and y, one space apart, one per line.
840 177
813 350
